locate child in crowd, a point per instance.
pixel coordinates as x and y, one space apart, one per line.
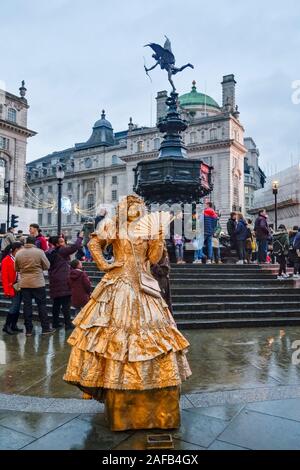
178 242
80 285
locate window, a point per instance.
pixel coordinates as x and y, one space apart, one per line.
115 160
246 190
40 219
114 180
33 190
49 218
90 185
192 137
69 186
69 219
12 115
140 146
213 134
202 135
4 143
114 195
50 189
90 201
156 144
41 191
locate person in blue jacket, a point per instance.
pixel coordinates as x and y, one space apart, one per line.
241 233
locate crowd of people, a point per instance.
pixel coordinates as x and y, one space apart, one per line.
251 242
24 263
26 260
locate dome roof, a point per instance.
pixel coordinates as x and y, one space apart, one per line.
196 98
102 122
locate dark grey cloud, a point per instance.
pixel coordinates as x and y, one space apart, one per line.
79 57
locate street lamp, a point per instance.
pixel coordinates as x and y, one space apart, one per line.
60 174
275 185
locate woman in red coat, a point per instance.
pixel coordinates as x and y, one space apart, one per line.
9 278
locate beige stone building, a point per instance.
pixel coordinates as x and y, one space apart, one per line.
100 171
13 141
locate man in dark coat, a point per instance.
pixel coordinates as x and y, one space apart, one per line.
263 234
59 272
231 227
160 271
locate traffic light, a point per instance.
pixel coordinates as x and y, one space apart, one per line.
14 221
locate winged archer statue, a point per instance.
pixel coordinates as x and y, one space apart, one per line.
166 60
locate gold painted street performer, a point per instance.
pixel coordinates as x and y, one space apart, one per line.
126 348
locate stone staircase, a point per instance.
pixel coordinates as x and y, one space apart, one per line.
219 296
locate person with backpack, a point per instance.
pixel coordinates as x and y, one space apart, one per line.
281 250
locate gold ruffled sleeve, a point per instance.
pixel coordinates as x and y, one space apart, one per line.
99 240
155 249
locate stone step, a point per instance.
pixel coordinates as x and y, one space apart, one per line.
230 283
238 298
275 306
250 313
236 291
239 323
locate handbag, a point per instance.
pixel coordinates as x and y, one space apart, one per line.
148 284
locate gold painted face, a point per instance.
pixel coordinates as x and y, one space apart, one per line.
134 212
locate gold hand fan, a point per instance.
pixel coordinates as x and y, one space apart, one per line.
150 225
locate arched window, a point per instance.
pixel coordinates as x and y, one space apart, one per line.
213 134
115 160
11 115
192 137
4 143
156 144
140 146
90 201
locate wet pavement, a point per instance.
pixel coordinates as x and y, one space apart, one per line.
244 393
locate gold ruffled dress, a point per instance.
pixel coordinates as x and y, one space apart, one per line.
126 348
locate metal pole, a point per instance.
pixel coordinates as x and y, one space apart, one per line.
59 208
275 194
8 204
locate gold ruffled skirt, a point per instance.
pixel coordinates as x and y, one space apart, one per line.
126 340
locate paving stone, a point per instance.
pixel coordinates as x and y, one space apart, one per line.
199 429
35 424
259 431
13 440
289 409
224 412
220 445
78 434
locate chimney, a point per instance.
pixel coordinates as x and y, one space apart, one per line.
161 107
228 92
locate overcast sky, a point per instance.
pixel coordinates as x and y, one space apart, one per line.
78 57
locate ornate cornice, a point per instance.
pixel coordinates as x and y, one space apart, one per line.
11 126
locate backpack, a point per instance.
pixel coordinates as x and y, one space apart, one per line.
278 248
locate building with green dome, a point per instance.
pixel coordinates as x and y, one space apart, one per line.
99 171
197 104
